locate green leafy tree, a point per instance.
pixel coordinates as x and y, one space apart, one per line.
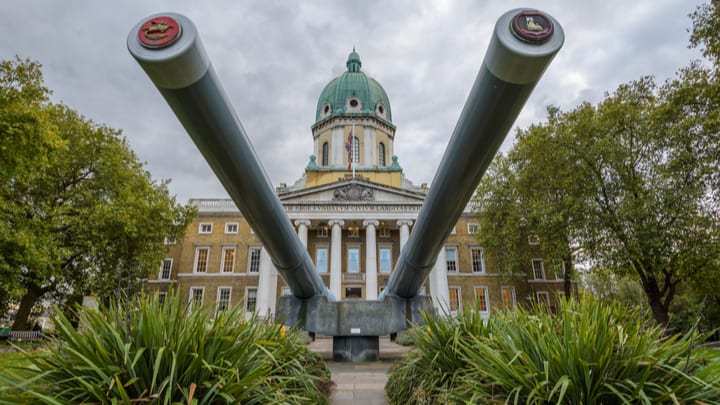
79 213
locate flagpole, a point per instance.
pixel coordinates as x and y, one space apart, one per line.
353 150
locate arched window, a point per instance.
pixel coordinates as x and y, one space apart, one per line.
356 150
381 154
325 152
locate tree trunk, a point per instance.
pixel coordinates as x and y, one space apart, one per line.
567 277
659 310
27 303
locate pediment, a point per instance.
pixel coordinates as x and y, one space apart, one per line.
353 191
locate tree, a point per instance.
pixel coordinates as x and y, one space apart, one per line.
79 213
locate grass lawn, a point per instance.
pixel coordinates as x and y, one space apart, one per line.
12 362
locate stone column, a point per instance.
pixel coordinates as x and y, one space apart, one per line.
370 260
404 225
336 258
439 285
302 231
267 286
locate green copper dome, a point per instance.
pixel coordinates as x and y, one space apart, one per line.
353 94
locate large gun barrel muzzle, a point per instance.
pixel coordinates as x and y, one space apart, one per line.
167 46
523 44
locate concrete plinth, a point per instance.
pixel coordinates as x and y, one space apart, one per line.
356 348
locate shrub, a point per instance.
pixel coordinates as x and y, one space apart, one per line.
586 353
165 354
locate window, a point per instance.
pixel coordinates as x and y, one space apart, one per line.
322 232
454 298
473 228
166 269
476 258
286 291
381 154
543 298
168 241
353 232
353 293
482 299
251 299
201 259
161 298
353 260
254 260
533 240
385 259
384 232
325 153
205 227
228 259
196 297
223 299
231 227
321 259
508 296
451 259
538 270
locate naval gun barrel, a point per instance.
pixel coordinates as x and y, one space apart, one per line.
523 44
167 46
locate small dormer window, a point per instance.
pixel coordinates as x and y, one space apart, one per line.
326 110
353 104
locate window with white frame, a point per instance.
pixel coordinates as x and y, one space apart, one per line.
508 297
454 296
533 239
231 227
538 269
254 259
228 259
451 259
321 259
196 297
384 259
353 259
558 268
202 254
482 299
286 291
384 232
168 241
543 298
205 227
477 260
250 299
381 154
223 298
473 228
166 269
322 232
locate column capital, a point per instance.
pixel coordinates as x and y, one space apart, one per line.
299 222
334 222
371 222
406 222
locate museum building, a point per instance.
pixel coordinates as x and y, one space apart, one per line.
354 209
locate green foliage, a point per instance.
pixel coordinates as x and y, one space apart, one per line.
78 212
167 354
587 353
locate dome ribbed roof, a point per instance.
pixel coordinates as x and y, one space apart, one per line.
353 93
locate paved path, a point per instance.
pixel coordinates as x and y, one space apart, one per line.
360 383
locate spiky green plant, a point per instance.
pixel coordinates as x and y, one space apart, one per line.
587 353
145 352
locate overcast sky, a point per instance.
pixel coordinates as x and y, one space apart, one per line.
275 57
